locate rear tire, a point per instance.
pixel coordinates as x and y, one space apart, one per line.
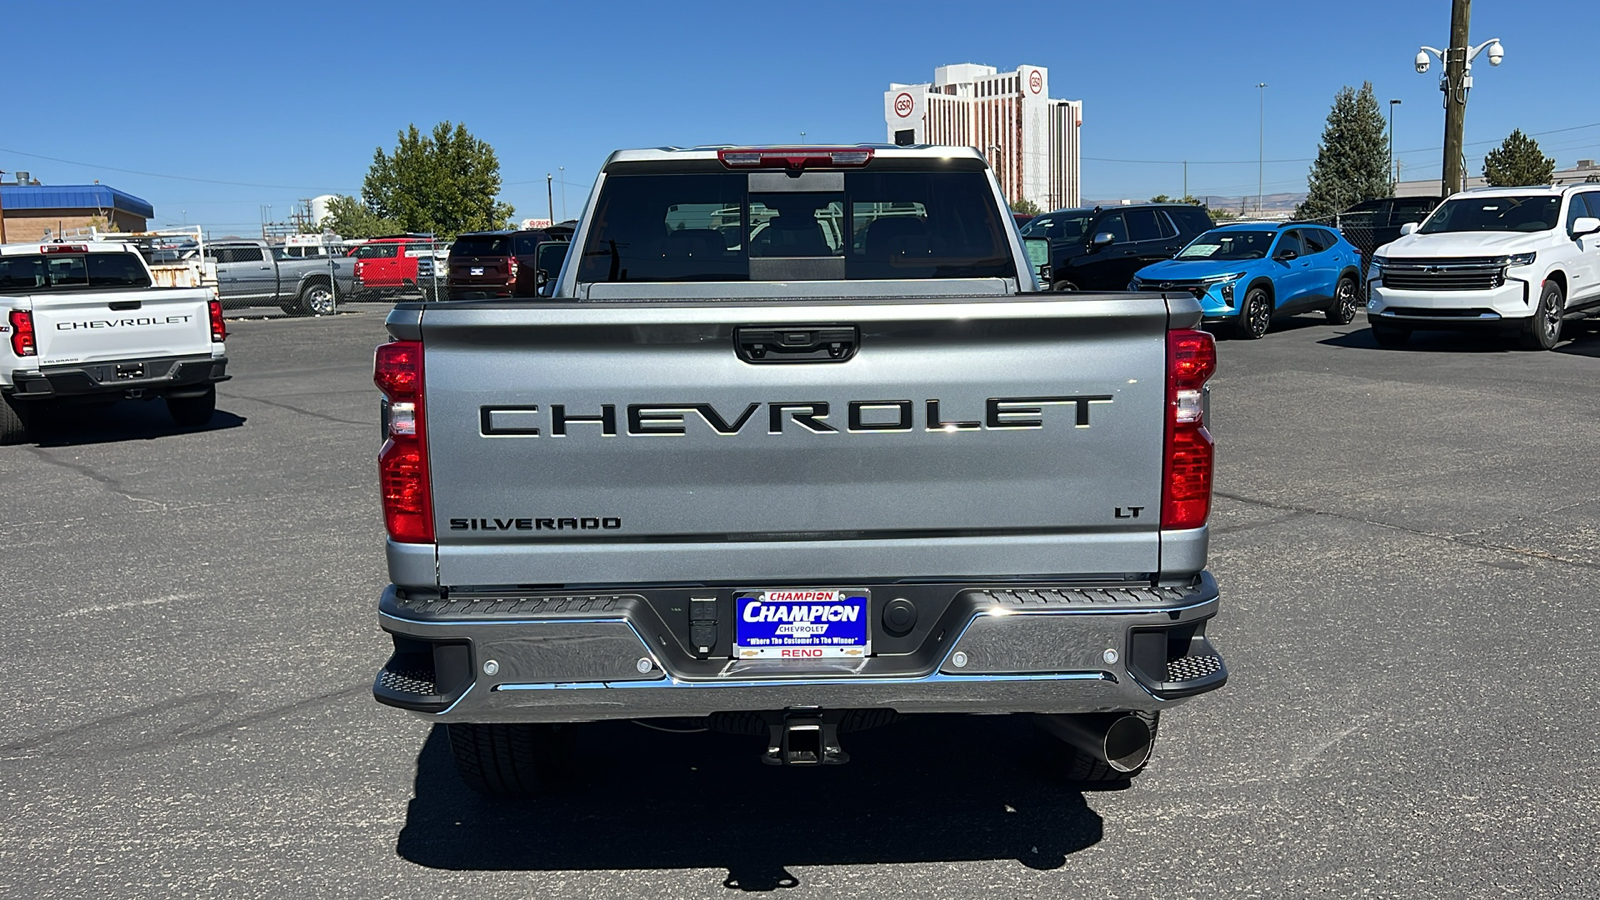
1255 315
192 412
1345 300
15 419
1066 761
1542 331
504 760
1390 337
318 299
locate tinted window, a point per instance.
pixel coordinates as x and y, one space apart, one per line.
482 245
708 226
1113 224
1537 213
244 254
37 272
1592 201
1164 220
1069 227
376 251
1228 245
524 244
1316 240
116 270
1411 209
1190 220
1288 243
1142 225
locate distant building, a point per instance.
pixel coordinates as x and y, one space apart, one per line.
1584 171
1030 139
30 210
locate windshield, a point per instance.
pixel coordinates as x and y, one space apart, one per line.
1229 245
710 226
1538 213
1068 226
482 245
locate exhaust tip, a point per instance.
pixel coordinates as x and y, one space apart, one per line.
1127 744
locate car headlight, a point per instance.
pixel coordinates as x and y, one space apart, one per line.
1222 279
1521 259
1378 262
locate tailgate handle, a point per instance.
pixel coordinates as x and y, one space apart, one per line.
796 343
121 305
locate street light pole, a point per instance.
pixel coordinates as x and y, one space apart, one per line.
1456 83
563 171
1261 144
1394 175
550 197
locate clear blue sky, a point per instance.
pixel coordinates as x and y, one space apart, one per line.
243 106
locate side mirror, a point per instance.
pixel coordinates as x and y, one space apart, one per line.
1408 228
1287 255
1585 225
1102 240
1038 249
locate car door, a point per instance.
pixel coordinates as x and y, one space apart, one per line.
1108 267
1585 272
244 274
1150 243
1291 273
1324 262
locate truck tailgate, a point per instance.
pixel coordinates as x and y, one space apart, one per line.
101 326
616 443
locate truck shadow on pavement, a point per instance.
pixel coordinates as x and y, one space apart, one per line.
125 420
926 789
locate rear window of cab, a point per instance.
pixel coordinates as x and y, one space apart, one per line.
55 271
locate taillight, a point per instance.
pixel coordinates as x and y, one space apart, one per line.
22 339
64 248
219 328
1186 475
513 268
403 461
795 157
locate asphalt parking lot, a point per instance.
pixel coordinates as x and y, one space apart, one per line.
1405 542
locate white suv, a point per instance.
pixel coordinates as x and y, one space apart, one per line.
1525 258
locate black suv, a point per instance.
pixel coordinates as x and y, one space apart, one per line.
489 264
1373 223
1099 249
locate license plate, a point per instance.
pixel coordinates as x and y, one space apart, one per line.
475 270
801 624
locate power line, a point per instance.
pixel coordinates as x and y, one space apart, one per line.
73 162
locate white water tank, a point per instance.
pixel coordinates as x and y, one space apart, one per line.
319 208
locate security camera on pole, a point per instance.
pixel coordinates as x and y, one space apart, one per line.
1455 83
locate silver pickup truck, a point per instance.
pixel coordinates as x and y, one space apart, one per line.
254 273
798 446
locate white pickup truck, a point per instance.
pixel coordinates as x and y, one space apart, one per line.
83 323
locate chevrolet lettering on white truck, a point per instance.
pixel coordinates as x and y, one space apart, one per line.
84 324
797 445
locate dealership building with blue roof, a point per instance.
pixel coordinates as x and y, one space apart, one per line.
33 212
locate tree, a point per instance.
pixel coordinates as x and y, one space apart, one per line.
1026 207
350 218
1352 160
1187 198
445 183
1517 162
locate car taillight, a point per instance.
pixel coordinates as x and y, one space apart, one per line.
22 339
795 157
512 269
403 461
219 328
1186 471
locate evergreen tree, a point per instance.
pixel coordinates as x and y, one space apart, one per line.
1026 207
1517 162
444 182
1352 160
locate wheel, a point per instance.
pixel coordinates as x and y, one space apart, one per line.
14 421
1390 336
1255 315
318 299
504 760
1345 300
1068 762
193 411
1543 329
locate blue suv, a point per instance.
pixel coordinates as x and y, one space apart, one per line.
1246 274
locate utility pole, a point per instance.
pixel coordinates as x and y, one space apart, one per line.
1393 172
550 195
1185 181
2 213
563 171
1455 97
1261 145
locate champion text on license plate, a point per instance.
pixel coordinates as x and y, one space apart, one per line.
801 624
